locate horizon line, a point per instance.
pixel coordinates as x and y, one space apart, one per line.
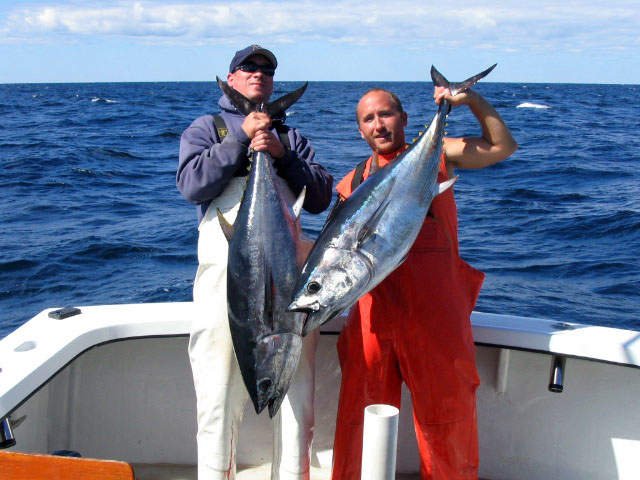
310 81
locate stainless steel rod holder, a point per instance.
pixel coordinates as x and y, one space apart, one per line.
7 439
556 376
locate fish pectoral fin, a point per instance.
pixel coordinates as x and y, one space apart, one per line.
226 227
370 226
270 294
445 185
297 206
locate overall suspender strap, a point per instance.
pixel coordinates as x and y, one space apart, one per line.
357 180
221 127
358 175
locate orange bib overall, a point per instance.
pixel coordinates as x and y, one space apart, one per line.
414 327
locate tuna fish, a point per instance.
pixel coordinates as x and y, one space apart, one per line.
370 233
264 263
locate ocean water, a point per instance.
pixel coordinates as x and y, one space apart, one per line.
91 215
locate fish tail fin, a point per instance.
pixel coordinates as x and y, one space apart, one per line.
242 103
279 106
455 88
273 109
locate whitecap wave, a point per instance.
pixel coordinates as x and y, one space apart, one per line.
532 105
105 100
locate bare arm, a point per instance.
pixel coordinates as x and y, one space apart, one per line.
496 142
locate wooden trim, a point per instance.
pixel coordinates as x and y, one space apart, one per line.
29 466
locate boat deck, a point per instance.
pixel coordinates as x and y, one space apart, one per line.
189 472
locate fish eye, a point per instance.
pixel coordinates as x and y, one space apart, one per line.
313 287
264 385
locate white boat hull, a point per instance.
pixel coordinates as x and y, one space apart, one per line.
123 390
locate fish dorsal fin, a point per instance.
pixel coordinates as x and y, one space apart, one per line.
297 206
445 185
226 227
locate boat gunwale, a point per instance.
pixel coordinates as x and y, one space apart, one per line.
58 343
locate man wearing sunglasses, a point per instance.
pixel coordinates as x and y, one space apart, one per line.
213 162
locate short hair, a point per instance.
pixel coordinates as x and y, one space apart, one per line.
394 100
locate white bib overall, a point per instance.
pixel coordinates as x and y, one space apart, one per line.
220 391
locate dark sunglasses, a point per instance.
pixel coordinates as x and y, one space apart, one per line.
254 67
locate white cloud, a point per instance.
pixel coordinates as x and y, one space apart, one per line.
515 25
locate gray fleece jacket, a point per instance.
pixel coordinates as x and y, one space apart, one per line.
206 165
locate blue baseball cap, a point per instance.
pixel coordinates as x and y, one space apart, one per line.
242 55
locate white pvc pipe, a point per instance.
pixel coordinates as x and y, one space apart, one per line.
379 442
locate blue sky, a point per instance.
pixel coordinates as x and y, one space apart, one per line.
532 41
